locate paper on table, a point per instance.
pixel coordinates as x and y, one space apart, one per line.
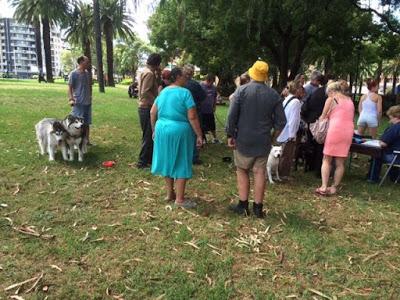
372 143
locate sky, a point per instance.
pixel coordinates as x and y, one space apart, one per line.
140 15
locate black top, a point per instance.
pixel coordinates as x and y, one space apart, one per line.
313 107
197 91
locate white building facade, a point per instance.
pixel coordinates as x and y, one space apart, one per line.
18 50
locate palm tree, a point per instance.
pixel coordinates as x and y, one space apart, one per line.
49 12
115 21
25 13
99 51
79 25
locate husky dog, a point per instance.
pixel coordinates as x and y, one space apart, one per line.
273 163
76 137
51 134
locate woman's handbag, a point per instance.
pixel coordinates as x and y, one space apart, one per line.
319 128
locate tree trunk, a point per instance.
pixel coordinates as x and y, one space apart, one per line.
99 51
284 64
108 33
394 83
88 53
47 49
351 82
274 77
384 85
38 46
226 84
361 85
378 72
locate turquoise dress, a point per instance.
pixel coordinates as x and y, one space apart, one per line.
174 138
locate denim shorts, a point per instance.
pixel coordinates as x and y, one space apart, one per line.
84 111
368 120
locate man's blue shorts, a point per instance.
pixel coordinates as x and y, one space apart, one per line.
84 111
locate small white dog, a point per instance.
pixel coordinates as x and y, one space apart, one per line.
273 163
51 134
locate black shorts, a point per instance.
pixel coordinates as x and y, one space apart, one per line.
207 122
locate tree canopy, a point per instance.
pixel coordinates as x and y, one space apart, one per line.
225 37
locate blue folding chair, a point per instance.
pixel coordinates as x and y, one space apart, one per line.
391 165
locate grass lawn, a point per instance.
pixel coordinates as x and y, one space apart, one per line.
108 234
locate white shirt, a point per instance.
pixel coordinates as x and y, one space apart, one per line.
292 113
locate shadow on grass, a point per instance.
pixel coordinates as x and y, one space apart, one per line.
95 156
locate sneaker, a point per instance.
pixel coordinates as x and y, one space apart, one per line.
197 162
188 204
140 165
241 208
258 210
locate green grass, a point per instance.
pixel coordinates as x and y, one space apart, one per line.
115 235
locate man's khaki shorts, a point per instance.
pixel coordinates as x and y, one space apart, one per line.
248 163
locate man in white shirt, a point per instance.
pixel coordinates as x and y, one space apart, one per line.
292 107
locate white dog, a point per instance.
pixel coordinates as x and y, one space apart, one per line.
273 163
51 134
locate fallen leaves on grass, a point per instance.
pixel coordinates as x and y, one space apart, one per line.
371 256
56 267
17 189
30 230
192 244
16 297
85 237
18 285
321 294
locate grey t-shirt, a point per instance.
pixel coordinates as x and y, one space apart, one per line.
80 82
254 111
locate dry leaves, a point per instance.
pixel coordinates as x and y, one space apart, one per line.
192 244
30 230
18 285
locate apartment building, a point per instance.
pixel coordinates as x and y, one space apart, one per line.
18 49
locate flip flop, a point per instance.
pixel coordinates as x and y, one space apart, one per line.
330 192
320 192
188 204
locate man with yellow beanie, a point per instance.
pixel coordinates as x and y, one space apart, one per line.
255 110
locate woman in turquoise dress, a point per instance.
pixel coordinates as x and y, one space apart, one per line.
176 127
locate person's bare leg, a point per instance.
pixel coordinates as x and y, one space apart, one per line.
339 172
180 185
360 130
169 183
259 185
373 132
325 172
243 183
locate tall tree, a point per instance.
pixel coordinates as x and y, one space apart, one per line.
25 12
79 24
115 21
50 12
99 50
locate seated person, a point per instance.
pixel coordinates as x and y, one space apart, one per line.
389 141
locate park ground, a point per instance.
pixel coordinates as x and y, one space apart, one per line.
81 231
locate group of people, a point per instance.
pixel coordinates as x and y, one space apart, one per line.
175 111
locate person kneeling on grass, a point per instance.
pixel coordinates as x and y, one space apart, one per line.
389 141
254 111
176 127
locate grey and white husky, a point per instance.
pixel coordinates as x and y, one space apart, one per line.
68 134
51 134
76 136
